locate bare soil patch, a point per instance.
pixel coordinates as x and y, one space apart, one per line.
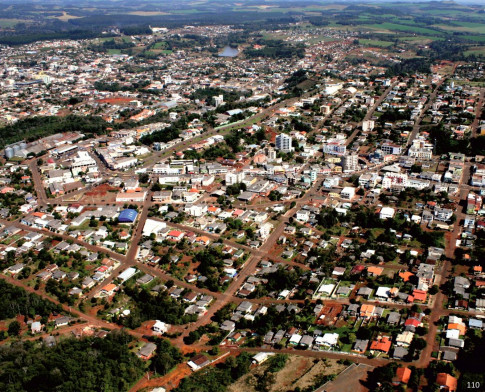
299 372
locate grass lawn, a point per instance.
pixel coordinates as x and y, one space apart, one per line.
11 239
376 232
160 45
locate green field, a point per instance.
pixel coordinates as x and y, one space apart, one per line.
160 45
478 51
477 38
420 38
9 23
400 27
375 42
468 27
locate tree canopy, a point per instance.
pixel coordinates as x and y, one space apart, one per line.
89 364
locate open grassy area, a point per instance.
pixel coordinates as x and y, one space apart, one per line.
9 23
470 27
160 45
400 27
477 38
478 51
147 13
65 16
420 38
375 42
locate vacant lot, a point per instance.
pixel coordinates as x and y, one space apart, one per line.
349 380
299 372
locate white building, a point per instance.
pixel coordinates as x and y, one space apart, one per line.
368 125
124 163
421 149
350 162
368 180
127 274
329 339
392 179
218 100
160 327
82 162
332 88
389 148
234 178
265 230
284 143
387 213
335 148
347 193
303 215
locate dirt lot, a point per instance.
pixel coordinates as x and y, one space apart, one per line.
349 380
330 311
298 372
101 194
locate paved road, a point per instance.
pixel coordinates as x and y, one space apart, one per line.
426 107
478 113
38 183
317 354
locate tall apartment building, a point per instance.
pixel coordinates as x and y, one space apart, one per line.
234 178
350 162
284 143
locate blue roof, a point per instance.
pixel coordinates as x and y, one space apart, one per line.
475 323
127 215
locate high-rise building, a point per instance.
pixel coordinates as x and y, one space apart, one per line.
368 126
284 143
234 178
218 100
350 162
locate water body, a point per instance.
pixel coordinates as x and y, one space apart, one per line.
229 52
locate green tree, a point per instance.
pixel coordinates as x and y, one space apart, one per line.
14 328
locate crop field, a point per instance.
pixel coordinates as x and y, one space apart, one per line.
468 27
